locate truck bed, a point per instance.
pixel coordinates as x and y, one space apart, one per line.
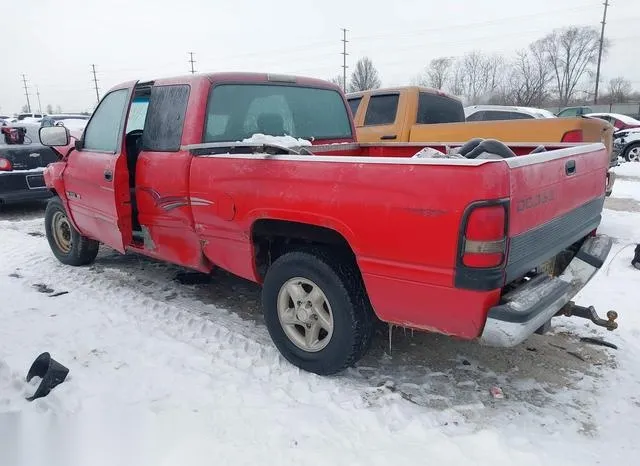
402 218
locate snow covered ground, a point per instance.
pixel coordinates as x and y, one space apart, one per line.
170 374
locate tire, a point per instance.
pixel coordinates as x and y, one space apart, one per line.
67 245
632 153
341 289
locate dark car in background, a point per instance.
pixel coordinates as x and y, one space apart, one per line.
22 164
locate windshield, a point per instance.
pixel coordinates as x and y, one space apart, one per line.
238 111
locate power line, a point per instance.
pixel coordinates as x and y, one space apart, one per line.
192 61
26 92
344 59
95 83
475 25
604 21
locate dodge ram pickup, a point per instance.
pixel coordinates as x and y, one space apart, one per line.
338 234
423 115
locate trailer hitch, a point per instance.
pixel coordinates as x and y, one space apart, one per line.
572 309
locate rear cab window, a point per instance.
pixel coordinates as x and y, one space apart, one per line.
382 109
435 109
238 111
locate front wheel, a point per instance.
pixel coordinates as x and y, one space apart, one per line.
66 243
316 311
632 154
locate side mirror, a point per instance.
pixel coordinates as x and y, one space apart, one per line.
54 136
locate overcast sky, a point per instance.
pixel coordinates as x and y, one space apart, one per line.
54 42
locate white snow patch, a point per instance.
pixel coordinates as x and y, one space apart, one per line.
627 169
286 141
626 189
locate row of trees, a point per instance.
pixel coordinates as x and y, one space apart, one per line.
48 109
558 69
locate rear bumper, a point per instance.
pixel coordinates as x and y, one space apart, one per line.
532 305
22 186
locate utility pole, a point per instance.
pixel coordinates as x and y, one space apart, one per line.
95 83
39 104
26 93
344 59
192 61
604 21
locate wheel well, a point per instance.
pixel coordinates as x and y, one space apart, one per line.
272 238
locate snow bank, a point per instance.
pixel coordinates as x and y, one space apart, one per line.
286 141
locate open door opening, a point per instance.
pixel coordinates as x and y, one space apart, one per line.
134 131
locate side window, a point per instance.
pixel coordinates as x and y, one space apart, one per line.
165 118
477 116
382 109
354 103
493 115
568 113
518 116
103 131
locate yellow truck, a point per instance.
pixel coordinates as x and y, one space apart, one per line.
413 114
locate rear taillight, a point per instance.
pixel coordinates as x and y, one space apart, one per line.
5 165
485 237
575 135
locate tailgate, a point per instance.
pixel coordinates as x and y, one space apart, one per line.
597 130
556 199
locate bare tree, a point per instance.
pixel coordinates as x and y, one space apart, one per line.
528 82
482 75
338 80
438 73
364 76
457 83
49 109
620 90
571 52
58 109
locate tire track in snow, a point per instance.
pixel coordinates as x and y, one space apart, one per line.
225 339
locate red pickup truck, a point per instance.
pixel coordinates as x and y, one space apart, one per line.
489 247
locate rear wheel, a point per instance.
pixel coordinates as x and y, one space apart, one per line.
316 311
66 243
632 154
